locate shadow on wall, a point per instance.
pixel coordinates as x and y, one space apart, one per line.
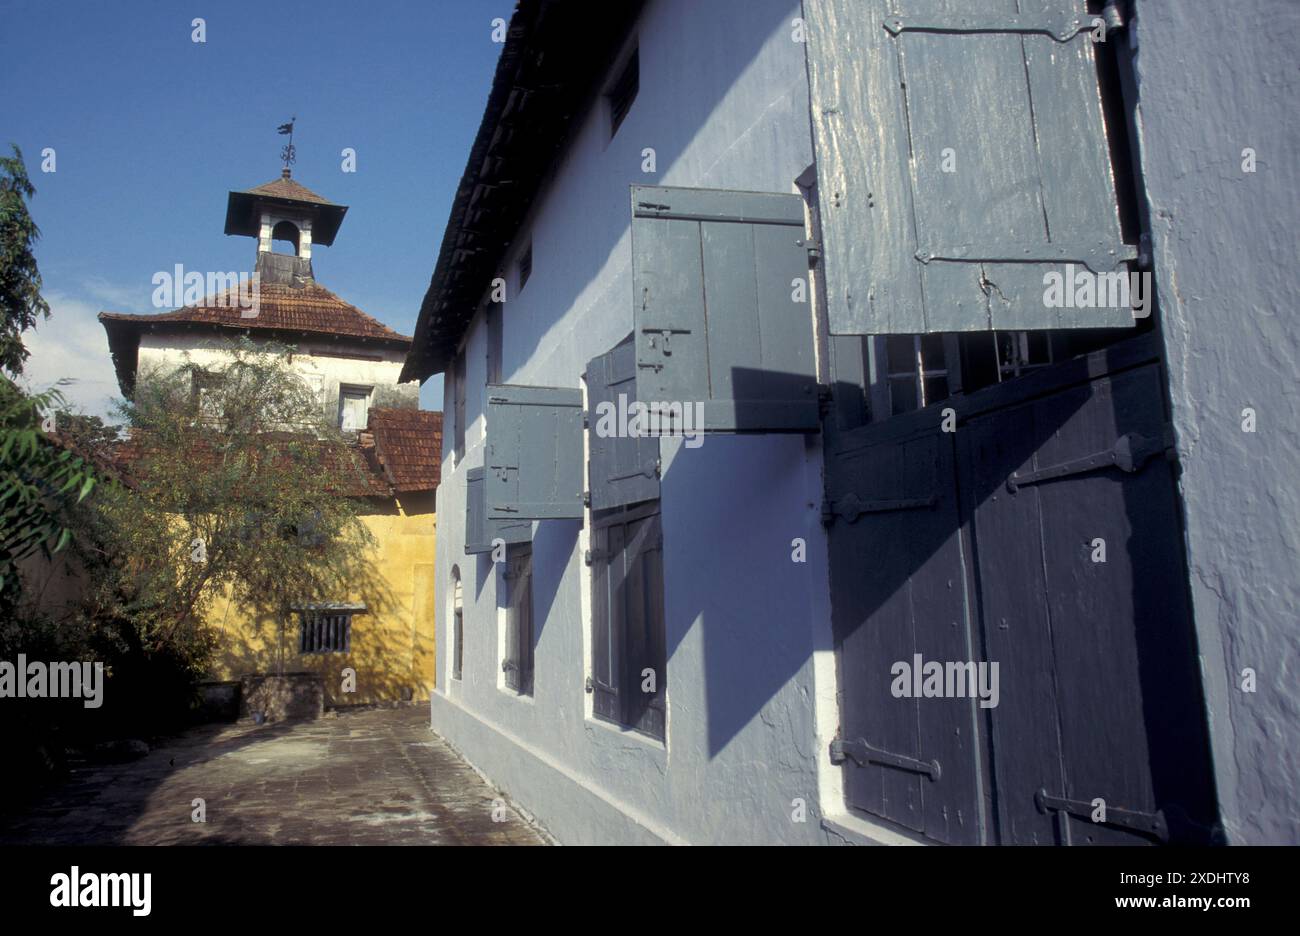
1112 641
687 76
391 653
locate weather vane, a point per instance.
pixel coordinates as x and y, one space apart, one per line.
287 153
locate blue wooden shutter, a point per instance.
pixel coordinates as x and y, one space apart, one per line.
480 530
1011 89
715 317
606 634
533 453
623 469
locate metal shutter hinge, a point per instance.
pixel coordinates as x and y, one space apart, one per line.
850 506
862 754
1147 823
1129 454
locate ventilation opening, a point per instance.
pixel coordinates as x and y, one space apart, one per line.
623 92
525 266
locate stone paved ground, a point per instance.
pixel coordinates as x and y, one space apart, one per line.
370 777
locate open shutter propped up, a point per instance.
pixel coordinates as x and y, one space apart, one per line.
481 531
721 308
533 453
624 469
962 155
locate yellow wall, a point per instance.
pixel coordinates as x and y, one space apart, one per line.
392 642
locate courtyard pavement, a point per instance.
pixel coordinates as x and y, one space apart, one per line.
368 777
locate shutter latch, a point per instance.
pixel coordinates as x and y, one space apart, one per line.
862 754
1061 24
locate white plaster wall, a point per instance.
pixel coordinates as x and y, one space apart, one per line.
723 101
166 351
1225 253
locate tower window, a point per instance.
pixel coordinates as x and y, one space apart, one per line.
288 232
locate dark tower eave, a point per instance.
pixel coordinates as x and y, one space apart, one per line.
243 213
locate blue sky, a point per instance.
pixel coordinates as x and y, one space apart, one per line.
151 130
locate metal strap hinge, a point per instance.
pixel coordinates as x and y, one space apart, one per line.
1152 824
1098 257
1129 453
650 469
850 506
862 754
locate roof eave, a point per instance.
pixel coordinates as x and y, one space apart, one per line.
556 84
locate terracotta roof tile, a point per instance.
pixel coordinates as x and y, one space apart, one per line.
309 309
288 188
351 470
407 447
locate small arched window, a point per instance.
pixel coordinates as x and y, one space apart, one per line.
287 232
457 624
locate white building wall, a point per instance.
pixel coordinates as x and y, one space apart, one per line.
723 102
1225 253
319 362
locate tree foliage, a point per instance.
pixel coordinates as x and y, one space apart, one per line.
39 480
234 484
21 304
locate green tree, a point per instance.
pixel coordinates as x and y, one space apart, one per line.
39 480
235 483
21 304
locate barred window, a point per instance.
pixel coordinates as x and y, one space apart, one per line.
325 632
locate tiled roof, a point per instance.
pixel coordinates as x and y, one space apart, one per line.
310 309
351 471
407 447
553 59
399 452
287 188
